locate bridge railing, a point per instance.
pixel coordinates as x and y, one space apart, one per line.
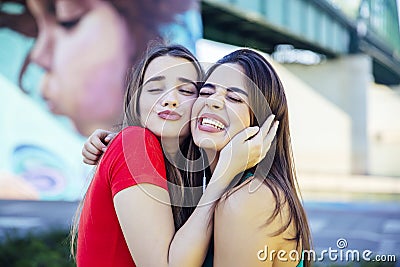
382 18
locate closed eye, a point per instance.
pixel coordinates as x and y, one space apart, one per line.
186 92
188 89
69 24
207 89
205 93
235 99
154 90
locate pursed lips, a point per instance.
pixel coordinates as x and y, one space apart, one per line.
169 115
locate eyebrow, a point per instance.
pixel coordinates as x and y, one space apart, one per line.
160 78
154 79
184 80
229 89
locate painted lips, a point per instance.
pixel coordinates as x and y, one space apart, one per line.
211 123
169 115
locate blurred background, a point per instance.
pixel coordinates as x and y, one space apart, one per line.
338 59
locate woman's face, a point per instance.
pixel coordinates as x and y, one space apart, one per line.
222 109
84 48
168 93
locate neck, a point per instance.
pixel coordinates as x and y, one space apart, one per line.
170 146
213 157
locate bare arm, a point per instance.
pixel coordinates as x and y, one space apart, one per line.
146 220
190 244
147 223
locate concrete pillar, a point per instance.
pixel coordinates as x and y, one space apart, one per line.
344 82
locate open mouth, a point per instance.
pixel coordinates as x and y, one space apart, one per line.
211 124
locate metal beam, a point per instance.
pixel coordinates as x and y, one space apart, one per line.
296 22
306 24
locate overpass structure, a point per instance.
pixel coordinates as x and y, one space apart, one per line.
355 49
315 25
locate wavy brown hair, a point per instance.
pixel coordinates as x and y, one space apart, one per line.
266 97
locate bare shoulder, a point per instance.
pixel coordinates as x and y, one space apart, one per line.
245 222
254 202
253 193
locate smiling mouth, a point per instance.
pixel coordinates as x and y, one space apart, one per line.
209 122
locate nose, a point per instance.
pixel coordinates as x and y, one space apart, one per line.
170 100
214 102
42 52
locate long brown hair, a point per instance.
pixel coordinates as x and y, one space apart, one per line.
132 118
266 96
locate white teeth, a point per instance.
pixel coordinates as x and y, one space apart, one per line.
213 123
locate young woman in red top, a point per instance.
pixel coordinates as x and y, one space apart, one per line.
126 218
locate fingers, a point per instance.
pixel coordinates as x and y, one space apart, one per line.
255 149
94 146
89 148
248 133
271 134
90 153
100 138
267 125
260 145
268 139
109 137
89 162
101 135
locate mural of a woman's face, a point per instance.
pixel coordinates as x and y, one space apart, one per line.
84 47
